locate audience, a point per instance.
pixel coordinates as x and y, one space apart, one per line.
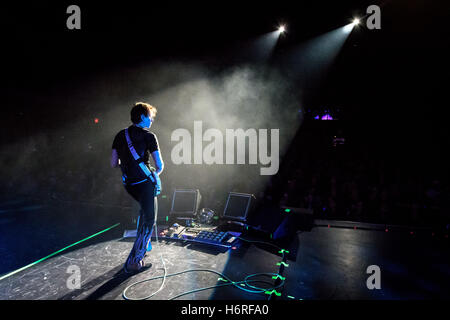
338 185
335 182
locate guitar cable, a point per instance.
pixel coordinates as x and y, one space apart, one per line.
238 284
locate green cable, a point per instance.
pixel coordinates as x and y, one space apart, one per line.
212 287
54 253
236 284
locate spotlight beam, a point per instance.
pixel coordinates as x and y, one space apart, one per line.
309 62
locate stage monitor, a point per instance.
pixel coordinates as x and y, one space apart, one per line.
185 202
237 206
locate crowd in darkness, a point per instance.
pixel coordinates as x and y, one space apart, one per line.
354 192
338 182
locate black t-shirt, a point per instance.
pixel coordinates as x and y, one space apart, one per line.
144 142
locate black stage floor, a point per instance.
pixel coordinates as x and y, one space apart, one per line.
325 264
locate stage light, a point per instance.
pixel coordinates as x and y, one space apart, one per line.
348 28
281 29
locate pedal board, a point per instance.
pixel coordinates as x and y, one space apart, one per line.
209 236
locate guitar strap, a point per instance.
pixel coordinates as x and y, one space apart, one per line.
136 157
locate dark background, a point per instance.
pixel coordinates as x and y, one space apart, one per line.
390 84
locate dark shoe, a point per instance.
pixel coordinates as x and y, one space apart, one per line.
133 268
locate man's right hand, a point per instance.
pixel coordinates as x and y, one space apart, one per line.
157 180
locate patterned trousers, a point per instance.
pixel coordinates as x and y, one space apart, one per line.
144 193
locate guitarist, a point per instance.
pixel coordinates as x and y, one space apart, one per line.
141 187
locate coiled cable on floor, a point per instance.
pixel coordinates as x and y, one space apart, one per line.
238 284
